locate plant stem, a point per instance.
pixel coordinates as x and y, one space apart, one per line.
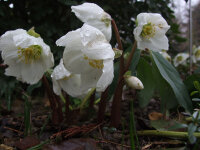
130 57
55 105
119 46
102 105
116 104
92 99
86 98
172 134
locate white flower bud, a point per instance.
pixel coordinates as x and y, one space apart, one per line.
134 82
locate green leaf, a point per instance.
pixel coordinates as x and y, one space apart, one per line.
168 99
197 85
193 93
171 76
144 73
189 81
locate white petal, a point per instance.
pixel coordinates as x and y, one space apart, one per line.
91 78
74 62
87 11
90 34
92 14
60 71
106 77
56 87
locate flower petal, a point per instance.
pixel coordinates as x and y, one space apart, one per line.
106 77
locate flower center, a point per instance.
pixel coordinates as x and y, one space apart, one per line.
197 54
106 19
148 31
28 55
95 63
179 58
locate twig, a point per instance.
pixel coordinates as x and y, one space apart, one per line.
19 132
111 142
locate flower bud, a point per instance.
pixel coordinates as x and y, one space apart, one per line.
134 82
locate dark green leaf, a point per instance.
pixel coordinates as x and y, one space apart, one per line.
144 73
171 76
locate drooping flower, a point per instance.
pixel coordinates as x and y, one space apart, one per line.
134 82
165 55
70 83
180 59
196 54
27 57
95 16
150 32
88 53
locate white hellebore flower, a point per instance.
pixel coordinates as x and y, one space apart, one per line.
70 83
196 54
27 57
165 55
134 82
88 53
181 59
150 32
95 16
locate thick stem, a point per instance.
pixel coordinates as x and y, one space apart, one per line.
119 46
172 134
130 57
102 105
116 104
54 104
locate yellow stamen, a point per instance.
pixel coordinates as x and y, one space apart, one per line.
179 58
197 53
106 19
98 64
28 55
148 31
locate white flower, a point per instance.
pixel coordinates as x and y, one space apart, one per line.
165 55
27 57
196 55
181 59
134 82
88 53
70 83
150 32
95 16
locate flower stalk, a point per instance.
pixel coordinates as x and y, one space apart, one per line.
55 105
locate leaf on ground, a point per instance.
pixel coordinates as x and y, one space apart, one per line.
74 144
5 147
165 125
27 142
155 116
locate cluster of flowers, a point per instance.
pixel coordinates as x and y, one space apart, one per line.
182 58
88 56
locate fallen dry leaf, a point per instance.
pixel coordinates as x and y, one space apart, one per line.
155 116
27 142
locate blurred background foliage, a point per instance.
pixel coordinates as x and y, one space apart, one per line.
53 18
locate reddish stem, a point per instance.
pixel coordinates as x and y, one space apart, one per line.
102 105
130 57
92 99
119 46
54 103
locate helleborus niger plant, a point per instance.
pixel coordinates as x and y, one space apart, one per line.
95 16
150 32
26 55
88 53
88 61
196 54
